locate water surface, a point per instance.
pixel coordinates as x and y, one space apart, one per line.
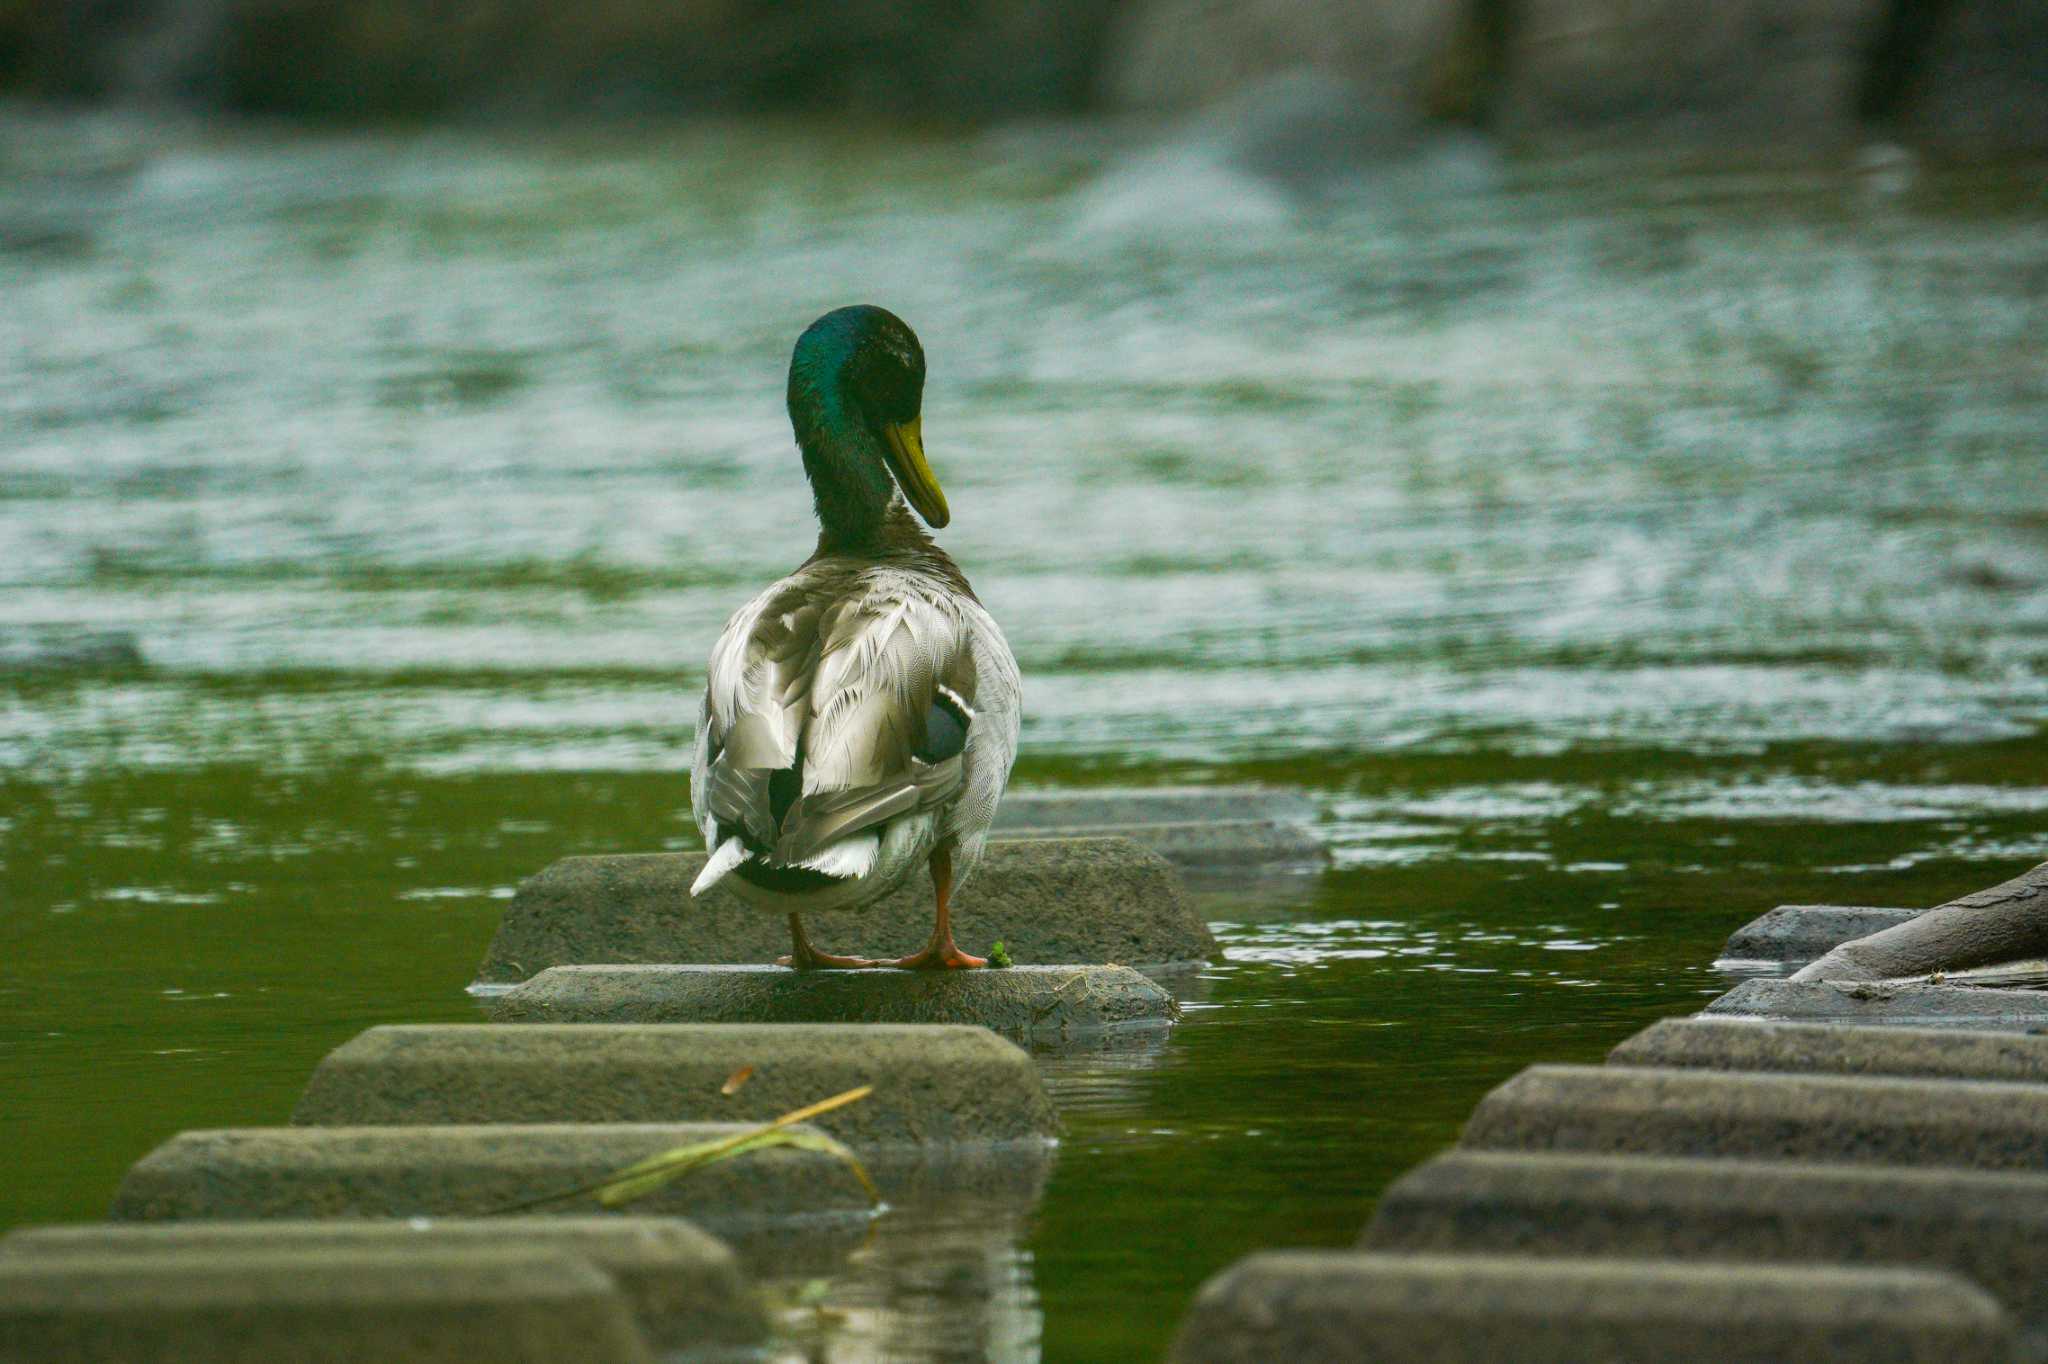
1612 551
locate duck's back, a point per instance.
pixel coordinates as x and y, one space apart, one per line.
852 696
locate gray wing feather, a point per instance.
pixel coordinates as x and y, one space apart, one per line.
837 669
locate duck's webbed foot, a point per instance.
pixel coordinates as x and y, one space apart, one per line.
805 957
938 956
941 954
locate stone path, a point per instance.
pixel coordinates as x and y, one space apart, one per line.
1810 1169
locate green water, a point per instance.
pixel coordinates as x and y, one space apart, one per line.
1612 554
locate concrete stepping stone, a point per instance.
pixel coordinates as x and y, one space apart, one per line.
1092 901
1883 1005
934 1086
1198 828
1034 1003
1095 808
1209 845
1834 1049
1306 1307
684 1285
1990 1228
1627 1110
1797 934
315 1307
265 1173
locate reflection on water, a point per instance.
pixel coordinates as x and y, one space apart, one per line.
939 1281
1611 552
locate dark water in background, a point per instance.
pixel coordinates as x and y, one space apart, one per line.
1613 554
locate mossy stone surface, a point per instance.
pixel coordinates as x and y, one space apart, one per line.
1032 1003
1881 1004
1631 1110
1088 901
1991 1228
933 1086
331 1306
1306 1307
684 1284
1836 1049
368 1172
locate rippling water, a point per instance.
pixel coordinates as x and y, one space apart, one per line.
1614 551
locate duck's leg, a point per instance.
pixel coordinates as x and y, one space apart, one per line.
805 957
940 954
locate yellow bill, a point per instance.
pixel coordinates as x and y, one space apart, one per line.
913 475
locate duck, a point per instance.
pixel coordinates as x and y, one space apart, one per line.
860 716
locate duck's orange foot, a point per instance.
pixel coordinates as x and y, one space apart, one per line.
939 957
815 960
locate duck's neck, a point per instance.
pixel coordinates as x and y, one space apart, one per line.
850 483
898 538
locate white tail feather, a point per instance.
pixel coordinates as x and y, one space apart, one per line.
729 855
849 859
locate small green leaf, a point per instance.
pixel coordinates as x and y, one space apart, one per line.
999 955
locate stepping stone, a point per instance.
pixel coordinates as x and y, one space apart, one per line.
1210 845
315 1307
1195 827
1306 1307
1796 934
1881 1005
265 1173
1127 806
1833 1049
934 1086
1094 901
1035 1003
685 1286
1625 1110
1989 1228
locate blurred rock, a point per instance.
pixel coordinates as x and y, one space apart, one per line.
1292 142
1183 54
1751 70
383 58
1982 82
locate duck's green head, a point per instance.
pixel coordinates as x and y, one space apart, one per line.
856 390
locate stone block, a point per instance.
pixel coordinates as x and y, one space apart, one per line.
1833 1049
1199 828
1991 1228
1030 1003
1882 1005
314 1307
1100 808
1089 901
684 1285
1210 845
1306 1307
1799 933
1625 1110
934 1086
264 1173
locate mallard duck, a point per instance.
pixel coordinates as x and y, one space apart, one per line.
860 716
